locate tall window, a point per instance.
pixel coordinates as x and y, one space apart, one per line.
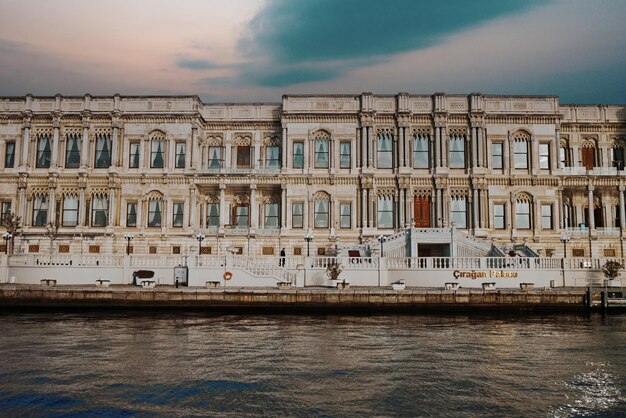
384 150
345 154
458 212
243 156
44 151
131 214
103 151
385 212
213 215
420 151
298 155
271 216
618 157
155 213
181 149
272 157
544 156
345 215
6 210
589 154
70 211
499 219
567 210
297 218
177 216
522 214
457 151
40 210
321 153
133 157
215 157
241 217
321 213
497 159
157 155
520 151
563 155
546 217
72 151
100 210
9 155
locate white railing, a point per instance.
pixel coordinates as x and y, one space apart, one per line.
158 260
210 260
34 260
268 231
263 170
263 267
604 171
608 231
572 171
575 232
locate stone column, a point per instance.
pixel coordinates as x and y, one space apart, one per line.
283 206
25 143
195 150
363 213
561 212
508 156
193 207
401 207
621 207
223 213
592 222
554 160
142 153
22 203
284 147
52 205
444 147
253 207
115 145
84 145
257 151
111 220
369 145
534 158
56 123
475 202
81 207
480 146
474 147
437 146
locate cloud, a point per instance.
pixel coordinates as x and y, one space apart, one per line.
197 64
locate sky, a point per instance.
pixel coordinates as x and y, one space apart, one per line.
258 50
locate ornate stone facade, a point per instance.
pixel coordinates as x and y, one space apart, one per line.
512 169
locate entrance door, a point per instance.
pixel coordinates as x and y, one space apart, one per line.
422 212
589 158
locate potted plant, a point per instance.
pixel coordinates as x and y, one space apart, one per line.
333 270
611 271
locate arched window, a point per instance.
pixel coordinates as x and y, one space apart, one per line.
157 150
617 157
155 213
385 211
384 150
321 145
520 150
523 218
100 210
564 157
103 150
421 157
458 211
72 150
40 210
589 154
321 210
44 151
70 211
456 152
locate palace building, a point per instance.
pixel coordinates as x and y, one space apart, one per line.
342 170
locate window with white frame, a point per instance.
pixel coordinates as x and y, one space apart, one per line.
215 157
421 157
522 214
272 216
157 153
457 151
320 214
70 211
181 149
272 157
345 215
213 215
385 212
99 210
499 217
131 214
546 217
9 155
520 152
155 213
298 155
242 216
297 215
72 151
40 210
321 153
345 154
458 211
544 156
133 155
103 151
497 157
384 150
178 210
6 210
44 151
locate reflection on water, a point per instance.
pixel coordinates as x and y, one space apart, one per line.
186 364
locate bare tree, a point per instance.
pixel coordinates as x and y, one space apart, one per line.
12 223
52 232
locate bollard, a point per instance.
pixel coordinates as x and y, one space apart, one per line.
176 283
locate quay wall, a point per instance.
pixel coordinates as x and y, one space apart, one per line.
358 300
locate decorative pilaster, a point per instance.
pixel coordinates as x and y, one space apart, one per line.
622 213
85 141
590 218
56 124
25 140
253 207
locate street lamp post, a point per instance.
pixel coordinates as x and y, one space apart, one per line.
564 239
308 238
200 237
7 237
381 240
128 237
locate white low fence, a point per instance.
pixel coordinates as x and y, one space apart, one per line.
306 271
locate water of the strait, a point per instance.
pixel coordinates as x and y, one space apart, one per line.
193 364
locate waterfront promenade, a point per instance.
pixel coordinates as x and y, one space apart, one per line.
316 299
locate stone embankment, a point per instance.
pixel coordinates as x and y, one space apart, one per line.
294 300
